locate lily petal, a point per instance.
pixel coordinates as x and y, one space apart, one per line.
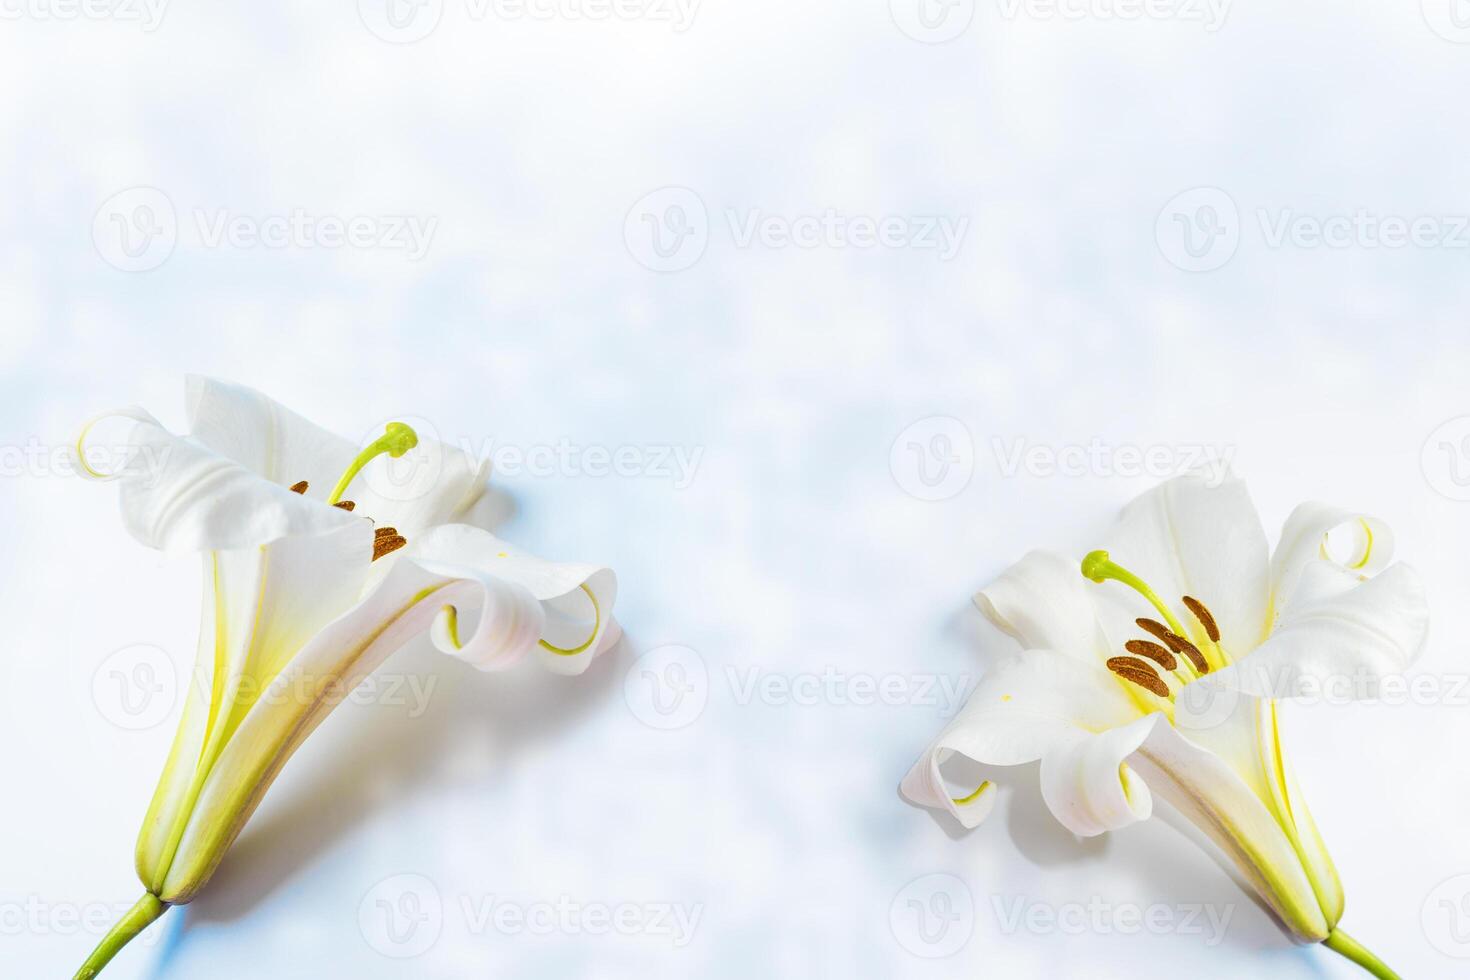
1244 733
318 678
261 606
1338 630
1089 787
1191 536
1209 792
1045 603
1040 704
433 484
1314 531
577 598
264 436
190 498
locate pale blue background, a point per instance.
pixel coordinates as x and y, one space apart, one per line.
795 549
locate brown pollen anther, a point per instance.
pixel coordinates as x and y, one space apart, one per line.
1203 615
1176 643
1140 673
1166 636
1201 665
299 487
1152 651
346 505
387 544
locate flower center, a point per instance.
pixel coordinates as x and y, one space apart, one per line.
386 540
1170 654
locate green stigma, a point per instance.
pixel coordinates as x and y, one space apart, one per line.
1099 567
397 440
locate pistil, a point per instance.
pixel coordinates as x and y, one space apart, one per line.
397 440
1099 567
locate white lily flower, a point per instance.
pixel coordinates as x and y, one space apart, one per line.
312 578
1164 680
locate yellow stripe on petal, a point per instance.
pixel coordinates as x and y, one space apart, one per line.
596 629
966 800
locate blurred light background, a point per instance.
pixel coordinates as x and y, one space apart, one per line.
845 261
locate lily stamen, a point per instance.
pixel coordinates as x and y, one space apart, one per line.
387 540
1140 673
346 505
299 486
1152 651
1176 643
1205 618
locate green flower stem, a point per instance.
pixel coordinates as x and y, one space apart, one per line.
138 918
1343 944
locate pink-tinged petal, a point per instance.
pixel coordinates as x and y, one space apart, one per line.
1088 785
577 598
1040 704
